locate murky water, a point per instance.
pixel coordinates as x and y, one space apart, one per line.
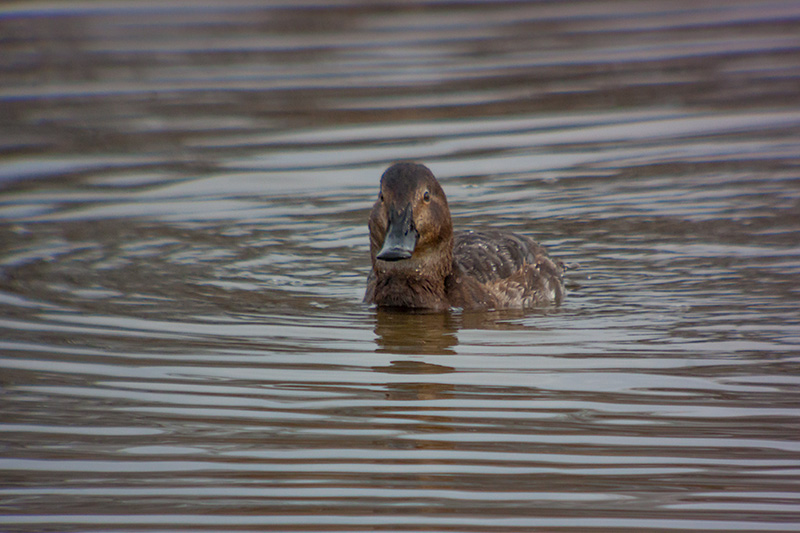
183 203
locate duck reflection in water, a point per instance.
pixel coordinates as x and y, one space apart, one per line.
420 332
416 333
420 262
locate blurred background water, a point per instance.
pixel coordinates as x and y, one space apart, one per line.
183 251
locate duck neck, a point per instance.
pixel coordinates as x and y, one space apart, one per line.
417 282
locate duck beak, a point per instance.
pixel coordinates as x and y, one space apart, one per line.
401 236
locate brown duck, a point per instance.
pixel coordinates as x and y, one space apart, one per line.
419 262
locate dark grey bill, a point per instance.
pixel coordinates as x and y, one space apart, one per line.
401 236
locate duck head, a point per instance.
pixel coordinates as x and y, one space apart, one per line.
410 226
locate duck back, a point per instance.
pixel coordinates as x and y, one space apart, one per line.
503 270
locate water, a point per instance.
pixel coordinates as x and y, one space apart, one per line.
183 203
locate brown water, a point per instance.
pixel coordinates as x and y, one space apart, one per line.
183 203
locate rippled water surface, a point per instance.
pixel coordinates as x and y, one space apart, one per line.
183 252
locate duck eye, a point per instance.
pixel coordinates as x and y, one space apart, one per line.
381 197
426 196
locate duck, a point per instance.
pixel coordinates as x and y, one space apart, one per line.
419 262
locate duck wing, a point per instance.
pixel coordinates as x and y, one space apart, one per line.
514 268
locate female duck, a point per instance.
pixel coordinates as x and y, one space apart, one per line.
419 262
